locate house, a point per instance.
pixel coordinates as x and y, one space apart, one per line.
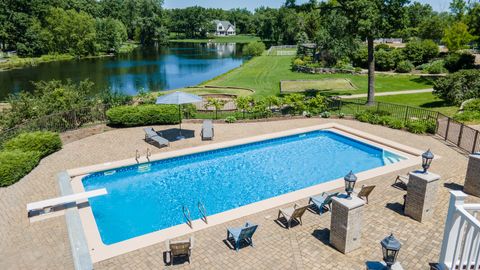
224 28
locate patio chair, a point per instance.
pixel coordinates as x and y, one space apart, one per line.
323 201
153 137
364 192
207 130
179 249
401 182
292 213
244 233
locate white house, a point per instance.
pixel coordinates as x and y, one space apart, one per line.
224 28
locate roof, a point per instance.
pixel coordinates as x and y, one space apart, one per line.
225 24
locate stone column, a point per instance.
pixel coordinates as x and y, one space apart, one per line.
346 223
421 195
472 180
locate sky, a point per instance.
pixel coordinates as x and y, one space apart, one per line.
438 5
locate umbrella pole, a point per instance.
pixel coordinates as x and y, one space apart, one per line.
180 117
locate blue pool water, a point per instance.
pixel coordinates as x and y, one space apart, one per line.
142 199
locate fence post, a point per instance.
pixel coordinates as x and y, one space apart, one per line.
406 115
460 135
448 127
475 142
437 123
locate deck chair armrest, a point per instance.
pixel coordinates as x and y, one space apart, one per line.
167 245
191 242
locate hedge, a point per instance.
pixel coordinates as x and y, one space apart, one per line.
16 164
45 143
142 115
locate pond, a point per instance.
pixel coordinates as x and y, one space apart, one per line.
146 68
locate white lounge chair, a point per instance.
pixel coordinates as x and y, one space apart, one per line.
207 130
151 136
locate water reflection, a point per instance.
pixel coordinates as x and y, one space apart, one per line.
150 69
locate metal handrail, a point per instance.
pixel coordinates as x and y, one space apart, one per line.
186 214
203 212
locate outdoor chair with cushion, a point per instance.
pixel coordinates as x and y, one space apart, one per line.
292 213
323 201
401 182
240 234
364 192
179 249
207 130
151 136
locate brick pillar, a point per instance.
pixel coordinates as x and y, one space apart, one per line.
421 195
472 180
346 223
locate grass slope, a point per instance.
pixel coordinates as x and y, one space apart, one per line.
423 100
264 73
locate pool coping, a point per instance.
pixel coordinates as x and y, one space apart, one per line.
99 251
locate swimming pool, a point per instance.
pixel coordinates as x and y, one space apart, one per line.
149 197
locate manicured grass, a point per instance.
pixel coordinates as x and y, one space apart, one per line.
423 100
203 91
229 39
332 84
264 73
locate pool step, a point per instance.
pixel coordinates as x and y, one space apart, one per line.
390 159
144 168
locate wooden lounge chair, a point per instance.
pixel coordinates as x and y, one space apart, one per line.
292 213
207 130
153 137
179 249
401 182
364 192
244 233
323 201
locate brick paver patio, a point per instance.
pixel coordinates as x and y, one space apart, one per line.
45 245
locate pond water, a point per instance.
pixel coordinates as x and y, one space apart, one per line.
150 69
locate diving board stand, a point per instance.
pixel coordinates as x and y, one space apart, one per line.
46 206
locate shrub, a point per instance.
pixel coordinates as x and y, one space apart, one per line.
130 116
417 127
384 61
435 67
467 116
383 46
16 164
254 49
45 143
363 116
404 66
298 62
419 52
459 86
360 57
457 61
341 115
230 119
325 114
394 123
472 105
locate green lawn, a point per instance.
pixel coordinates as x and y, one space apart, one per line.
264 73
423 100
229 39
330 84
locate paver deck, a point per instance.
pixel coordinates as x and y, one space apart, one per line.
44 244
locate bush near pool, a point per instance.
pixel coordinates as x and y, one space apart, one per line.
45 143
16 164
142 115
385 119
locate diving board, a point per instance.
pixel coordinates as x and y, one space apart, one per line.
42 205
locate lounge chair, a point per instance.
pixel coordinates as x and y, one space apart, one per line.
207 130
244 233
179 249
292 213
364 192
401 182
151 136
323 201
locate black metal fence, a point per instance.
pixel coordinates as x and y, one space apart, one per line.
447 128
463 136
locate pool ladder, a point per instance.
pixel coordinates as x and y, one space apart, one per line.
188 218
203 212
137 155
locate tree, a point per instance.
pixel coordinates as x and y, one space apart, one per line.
458 8
456 37
111 34
432 27
370 19
217 104
472 19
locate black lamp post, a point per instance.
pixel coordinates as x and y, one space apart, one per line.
390 249
427 158
350 180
